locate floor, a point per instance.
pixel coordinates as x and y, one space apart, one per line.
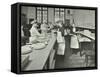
70 60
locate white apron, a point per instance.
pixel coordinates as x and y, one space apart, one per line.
60 39
61 44
74 42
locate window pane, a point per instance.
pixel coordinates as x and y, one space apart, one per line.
44 8
59 14
44 14
38 8
56 14
56 9
61 10
41 14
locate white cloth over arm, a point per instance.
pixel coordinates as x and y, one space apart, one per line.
22 33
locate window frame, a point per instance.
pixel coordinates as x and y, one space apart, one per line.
59 13
42 10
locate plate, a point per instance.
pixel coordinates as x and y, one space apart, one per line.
38 46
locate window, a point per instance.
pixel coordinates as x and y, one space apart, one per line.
42 14
39 16
60 14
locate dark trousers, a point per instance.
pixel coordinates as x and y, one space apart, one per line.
67 44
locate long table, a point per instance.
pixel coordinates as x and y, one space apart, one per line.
39 58
88 36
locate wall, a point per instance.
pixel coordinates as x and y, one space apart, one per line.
24 10
51 15
84 18
30 12
69 16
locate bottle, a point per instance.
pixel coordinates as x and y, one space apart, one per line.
73 25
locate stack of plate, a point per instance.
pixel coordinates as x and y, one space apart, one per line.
38 46
87 32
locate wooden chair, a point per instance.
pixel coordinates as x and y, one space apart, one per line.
90 54
88 49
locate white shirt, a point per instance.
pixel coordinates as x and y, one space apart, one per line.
43 27
34 31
